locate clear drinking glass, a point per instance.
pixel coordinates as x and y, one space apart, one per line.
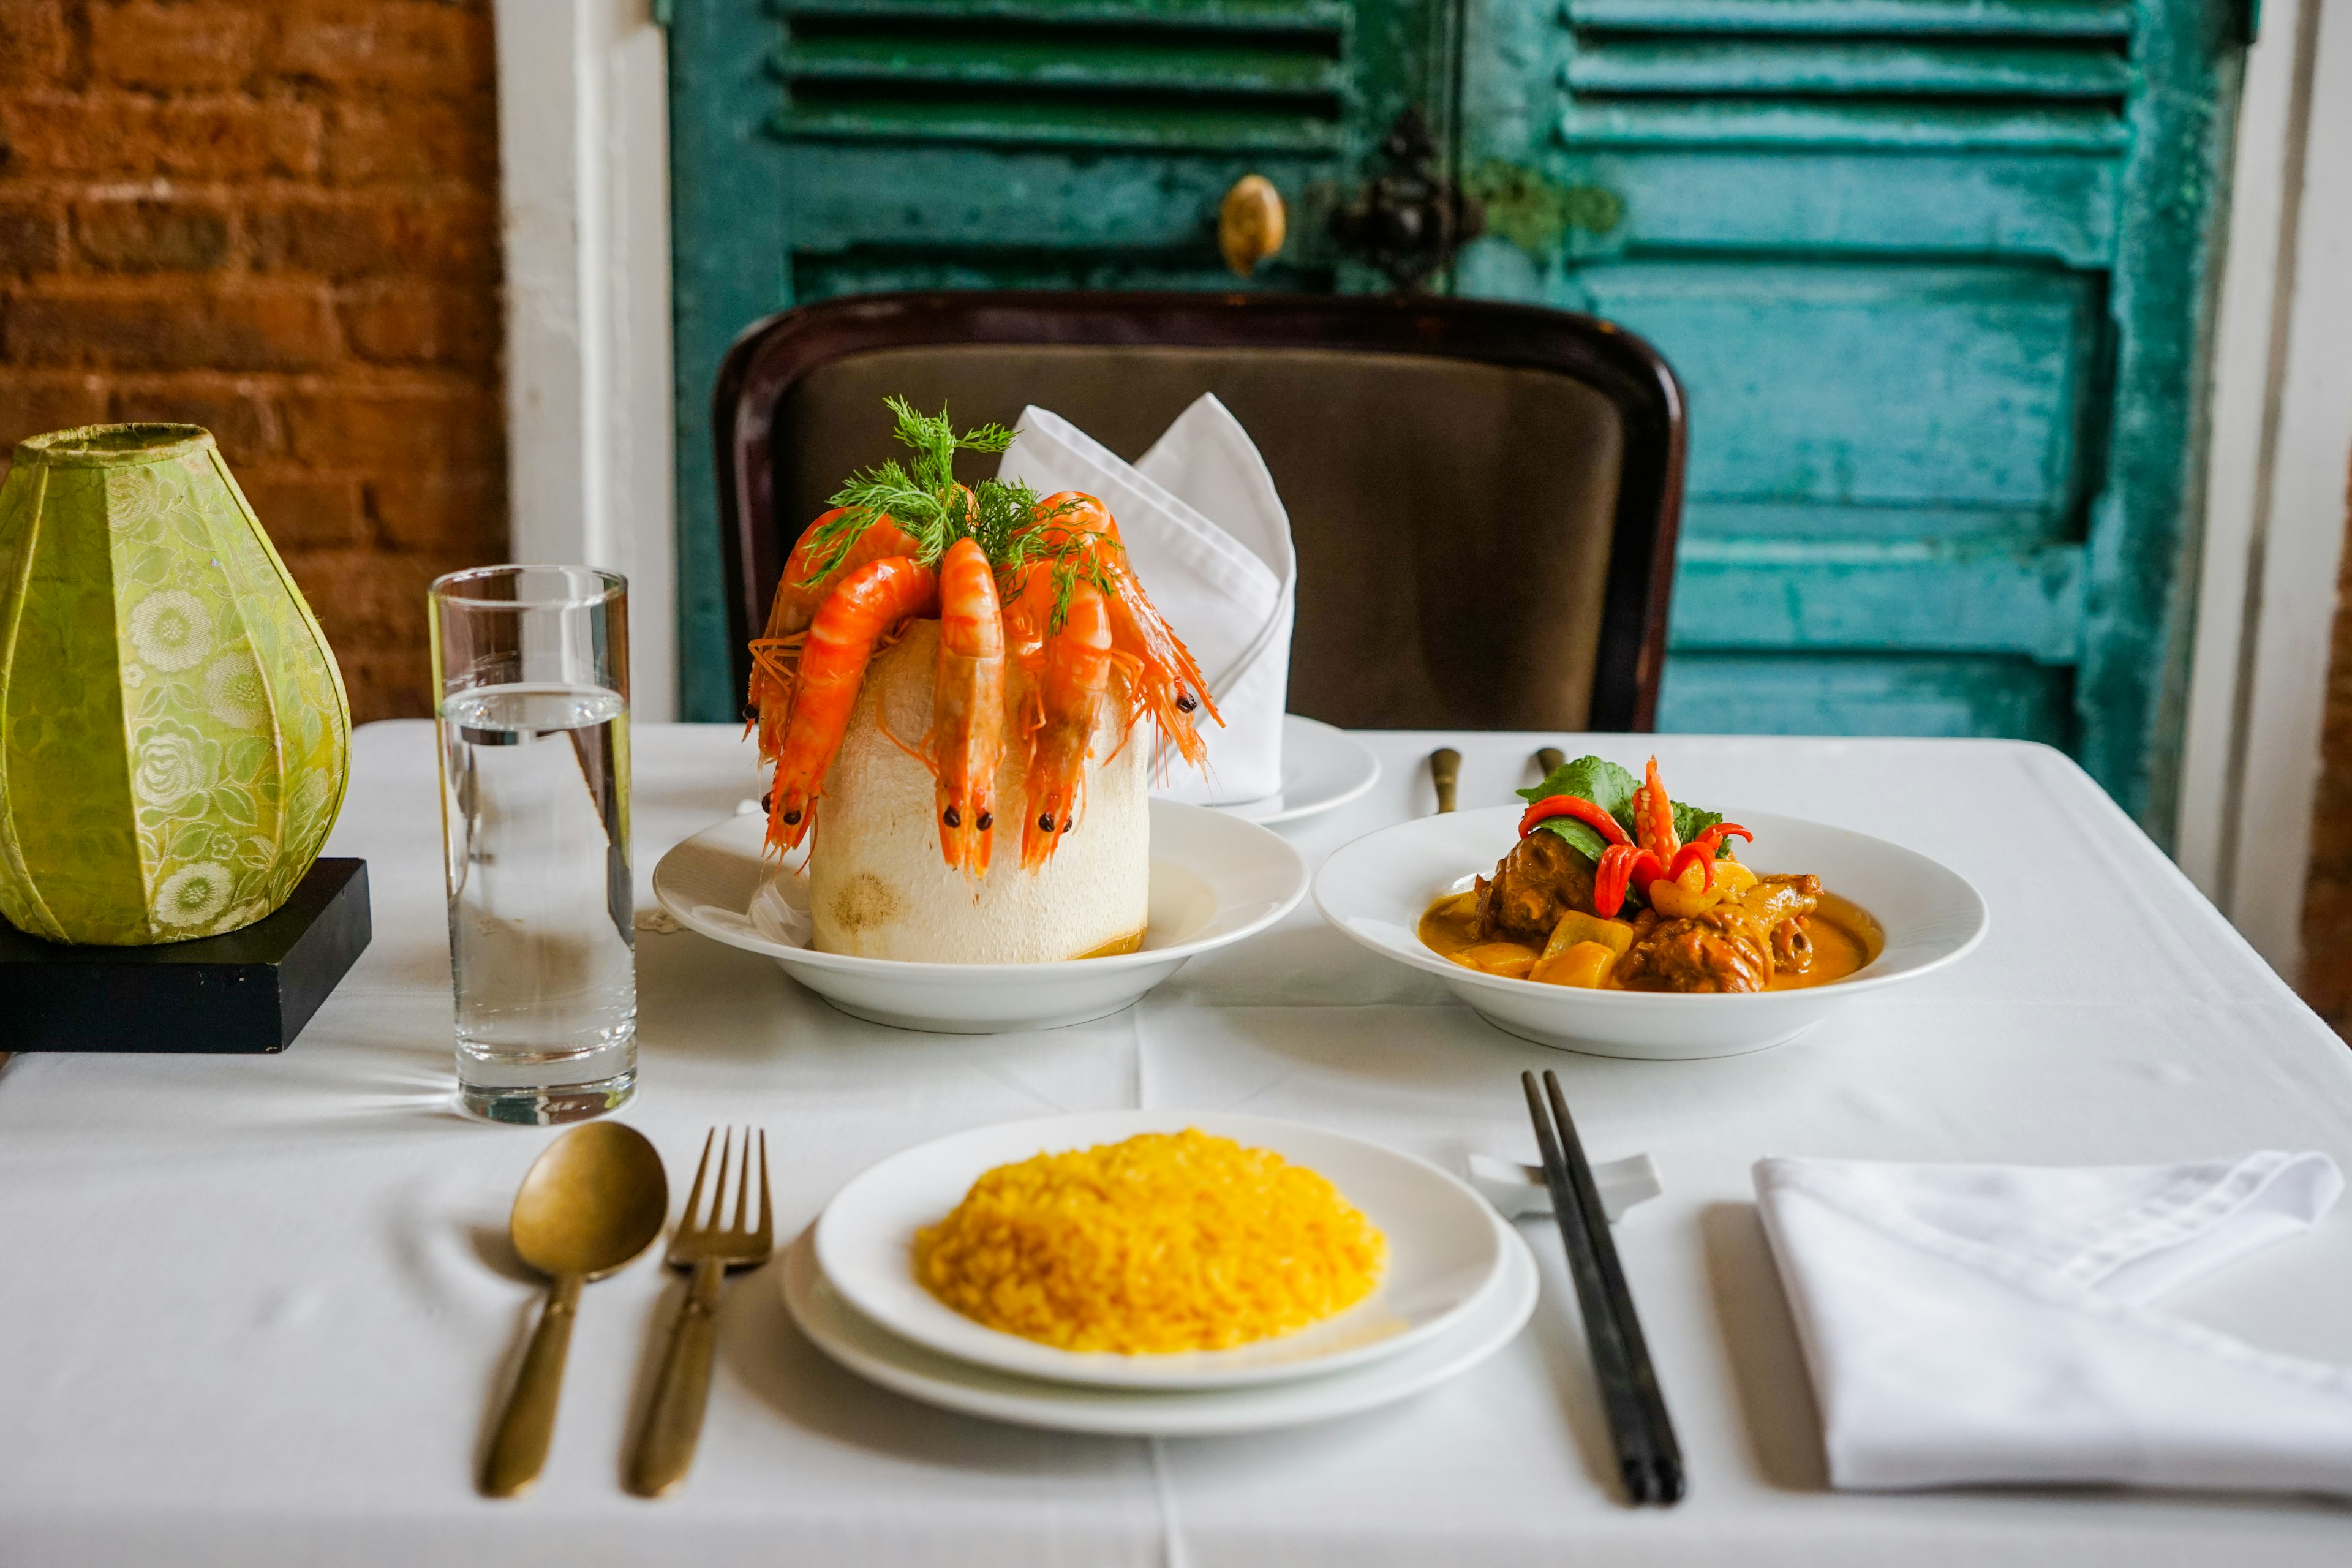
533 668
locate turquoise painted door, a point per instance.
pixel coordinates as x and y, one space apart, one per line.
1933 272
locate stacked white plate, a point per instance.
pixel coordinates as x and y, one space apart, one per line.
1323 769
1457 1285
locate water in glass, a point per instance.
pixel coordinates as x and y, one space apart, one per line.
536 785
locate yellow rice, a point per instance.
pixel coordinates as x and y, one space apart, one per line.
1165 1242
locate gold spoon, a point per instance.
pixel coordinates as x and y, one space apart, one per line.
591 1201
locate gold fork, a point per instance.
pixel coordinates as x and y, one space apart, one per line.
665 1449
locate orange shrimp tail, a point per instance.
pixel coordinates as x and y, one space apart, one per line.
1073 514
1070 692
865 607
1028 600
802 589
966 745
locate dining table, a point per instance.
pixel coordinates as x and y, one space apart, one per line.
261 1309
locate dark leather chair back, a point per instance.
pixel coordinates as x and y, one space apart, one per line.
1484 497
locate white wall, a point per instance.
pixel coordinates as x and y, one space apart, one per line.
2282 442
583 143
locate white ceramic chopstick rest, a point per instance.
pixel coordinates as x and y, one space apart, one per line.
1515 1189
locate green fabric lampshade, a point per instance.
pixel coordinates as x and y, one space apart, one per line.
175 739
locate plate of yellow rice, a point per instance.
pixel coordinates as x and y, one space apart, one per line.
1161 1250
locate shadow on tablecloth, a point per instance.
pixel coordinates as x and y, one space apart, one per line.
1760 1343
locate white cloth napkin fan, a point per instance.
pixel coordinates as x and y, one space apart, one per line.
1988 1324
1209 538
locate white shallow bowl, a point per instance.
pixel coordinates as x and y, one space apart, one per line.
879 1356
1377 889
1323 768
1446 1251
1215 881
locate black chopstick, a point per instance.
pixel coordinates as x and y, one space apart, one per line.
1649 1458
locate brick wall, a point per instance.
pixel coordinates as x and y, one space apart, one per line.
2328 901
278 219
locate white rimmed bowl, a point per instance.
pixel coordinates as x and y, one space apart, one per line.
1447 1250
1376 889
1215 881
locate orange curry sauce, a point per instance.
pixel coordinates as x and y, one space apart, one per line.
1846 938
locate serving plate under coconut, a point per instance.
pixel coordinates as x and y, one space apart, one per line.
1215 881
1377 889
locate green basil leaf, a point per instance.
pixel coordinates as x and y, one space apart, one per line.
1595 779
1582 835
1690 822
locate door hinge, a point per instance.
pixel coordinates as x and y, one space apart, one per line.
1408 220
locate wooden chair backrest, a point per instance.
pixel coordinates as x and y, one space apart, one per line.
1483 498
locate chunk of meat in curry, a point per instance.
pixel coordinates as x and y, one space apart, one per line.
1541 878
1734 946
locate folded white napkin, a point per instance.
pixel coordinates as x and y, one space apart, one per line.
1209 538
1988 1324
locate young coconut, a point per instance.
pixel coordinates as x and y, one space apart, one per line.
878 887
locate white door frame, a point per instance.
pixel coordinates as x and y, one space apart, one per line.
583 141
583 164
2278 461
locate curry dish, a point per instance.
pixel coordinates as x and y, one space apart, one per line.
1649 910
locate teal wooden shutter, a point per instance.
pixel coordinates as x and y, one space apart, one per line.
1934 274
1046 143
824 147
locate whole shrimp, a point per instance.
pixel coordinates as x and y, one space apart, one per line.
1167 680
1068 698
966 745
775 653
864 607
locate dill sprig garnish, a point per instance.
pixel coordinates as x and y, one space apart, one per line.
921 497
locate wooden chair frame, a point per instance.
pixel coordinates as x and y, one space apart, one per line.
771 355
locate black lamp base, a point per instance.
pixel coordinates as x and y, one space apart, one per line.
252 990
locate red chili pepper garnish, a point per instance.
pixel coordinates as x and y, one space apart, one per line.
1583 810
1697 852
1610 879
1620 866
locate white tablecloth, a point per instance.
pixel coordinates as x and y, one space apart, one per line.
256 1310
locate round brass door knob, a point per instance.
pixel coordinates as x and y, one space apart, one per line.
1251 222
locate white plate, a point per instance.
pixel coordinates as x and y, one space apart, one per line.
1442 1253
1376 889
1215 881
872 1352
1323 768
